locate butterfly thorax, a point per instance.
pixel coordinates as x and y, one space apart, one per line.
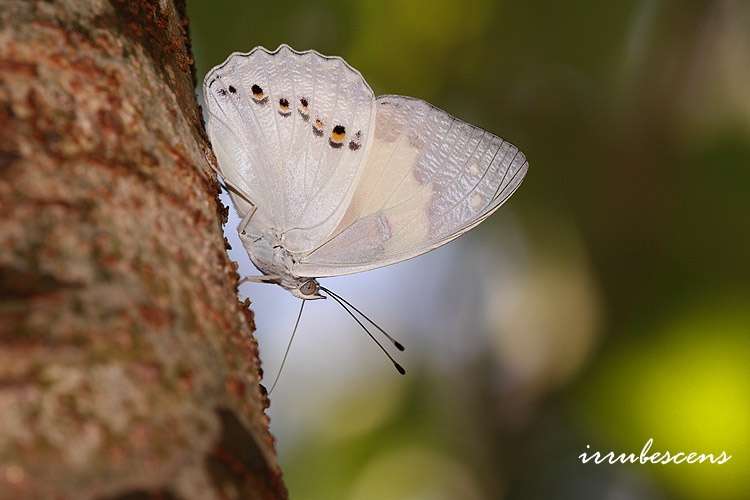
268 254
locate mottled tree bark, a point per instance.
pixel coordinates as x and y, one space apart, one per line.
127 365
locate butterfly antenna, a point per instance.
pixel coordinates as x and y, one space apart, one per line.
399 368
396 343
289 345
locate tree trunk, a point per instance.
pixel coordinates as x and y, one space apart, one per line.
127 365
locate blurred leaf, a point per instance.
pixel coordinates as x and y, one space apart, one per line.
687 386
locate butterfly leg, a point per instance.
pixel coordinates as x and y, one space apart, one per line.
246 220
263 278
230 186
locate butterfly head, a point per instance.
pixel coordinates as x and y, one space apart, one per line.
309 289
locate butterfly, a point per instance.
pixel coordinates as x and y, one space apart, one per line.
331 180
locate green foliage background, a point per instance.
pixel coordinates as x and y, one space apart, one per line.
635 117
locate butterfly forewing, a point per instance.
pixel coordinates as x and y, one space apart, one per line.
428 178
281 124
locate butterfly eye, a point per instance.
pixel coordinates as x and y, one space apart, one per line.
308 288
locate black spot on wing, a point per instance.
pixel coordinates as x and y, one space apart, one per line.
303 108
317 127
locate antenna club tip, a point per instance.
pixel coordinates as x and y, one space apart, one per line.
399 345
399 368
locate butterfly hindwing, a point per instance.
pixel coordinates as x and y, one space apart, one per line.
281 124
429 177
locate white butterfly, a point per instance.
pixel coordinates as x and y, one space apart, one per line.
330 180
